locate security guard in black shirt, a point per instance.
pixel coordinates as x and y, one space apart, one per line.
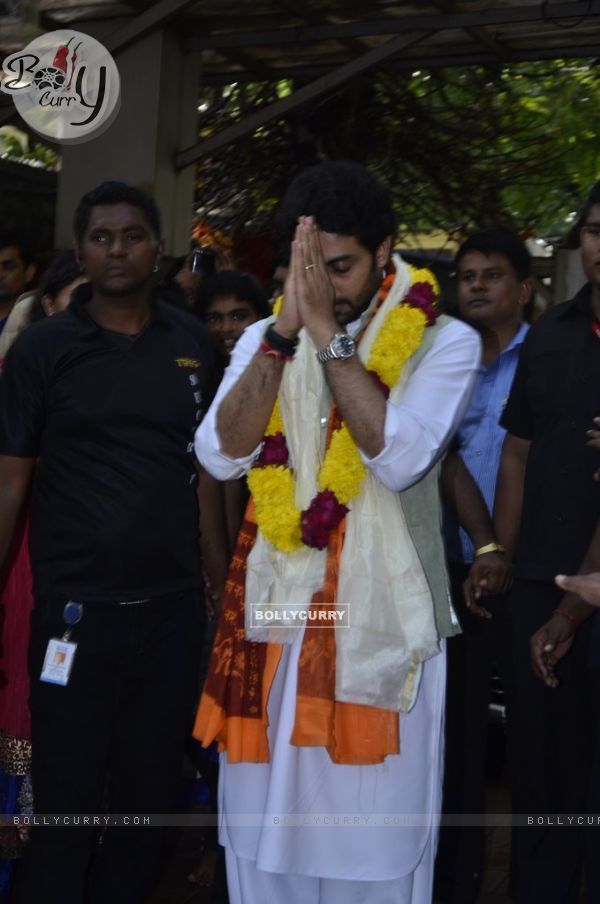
547 508
103 399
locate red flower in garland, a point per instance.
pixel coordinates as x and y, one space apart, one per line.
274 451
320 518
422 295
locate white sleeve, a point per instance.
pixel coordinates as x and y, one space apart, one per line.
207 442
417 430
420 426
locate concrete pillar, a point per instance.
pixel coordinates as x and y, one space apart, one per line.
158 116
568 274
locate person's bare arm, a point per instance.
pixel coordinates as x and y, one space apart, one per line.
462 495
361 403
490 572
15 477
235 497
214 544
575 603
554 639
509 493
245 411
586 586
593 441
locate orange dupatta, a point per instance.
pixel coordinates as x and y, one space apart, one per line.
233 707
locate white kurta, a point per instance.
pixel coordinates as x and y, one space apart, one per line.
382 823
416 431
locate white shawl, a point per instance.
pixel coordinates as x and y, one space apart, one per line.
391 617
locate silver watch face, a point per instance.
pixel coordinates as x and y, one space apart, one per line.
342 345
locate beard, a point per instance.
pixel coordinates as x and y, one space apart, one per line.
350 309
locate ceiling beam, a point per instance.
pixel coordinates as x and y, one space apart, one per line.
157 15
286 105
512 15
302 10
501 51
498 48
255 67
402 63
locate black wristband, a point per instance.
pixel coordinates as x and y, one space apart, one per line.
280 343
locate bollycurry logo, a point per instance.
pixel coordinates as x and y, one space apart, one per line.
64 84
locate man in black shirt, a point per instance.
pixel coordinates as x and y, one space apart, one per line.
103 399
547 508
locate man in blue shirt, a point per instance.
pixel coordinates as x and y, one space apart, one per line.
494 286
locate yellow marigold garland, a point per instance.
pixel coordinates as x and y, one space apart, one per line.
275 424
399 337
342 471
273 490
423 275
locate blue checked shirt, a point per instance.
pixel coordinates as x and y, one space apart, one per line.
479 438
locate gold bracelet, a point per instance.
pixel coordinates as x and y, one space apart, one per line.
489 547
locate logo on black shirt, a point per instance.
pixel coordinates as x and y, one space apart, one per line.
188 362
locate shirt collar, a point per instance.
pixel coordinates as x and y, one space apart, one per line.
517 339
81 297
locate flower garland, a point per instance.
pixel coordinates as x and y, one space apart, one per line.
206 237
340 478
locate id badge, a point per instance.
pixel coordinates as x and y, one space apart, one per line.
58 661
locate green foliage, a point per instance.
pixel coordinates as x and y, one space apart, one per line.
40 155
460 148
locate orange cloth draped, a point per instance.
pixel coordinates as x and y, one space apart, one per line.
233 707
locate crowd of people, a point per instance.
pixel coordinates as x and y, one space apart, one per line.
419 511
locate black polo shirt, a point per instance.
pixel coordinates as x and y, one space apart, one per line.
555 395
111 420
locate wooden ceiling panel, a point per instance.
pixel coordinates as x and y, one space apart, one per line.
287 36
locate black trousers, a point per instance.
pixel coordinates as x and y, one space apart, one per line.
555 756
472 657
111 740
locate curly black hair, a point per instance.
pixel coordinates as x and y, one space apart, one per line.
344 198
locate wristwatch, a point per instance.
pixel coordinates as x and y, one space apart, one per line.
341 346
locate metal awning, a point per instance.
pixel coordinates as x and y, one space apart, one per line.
324 43
304 39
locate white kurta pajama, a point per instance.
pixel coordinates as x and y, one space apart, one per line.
376 861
